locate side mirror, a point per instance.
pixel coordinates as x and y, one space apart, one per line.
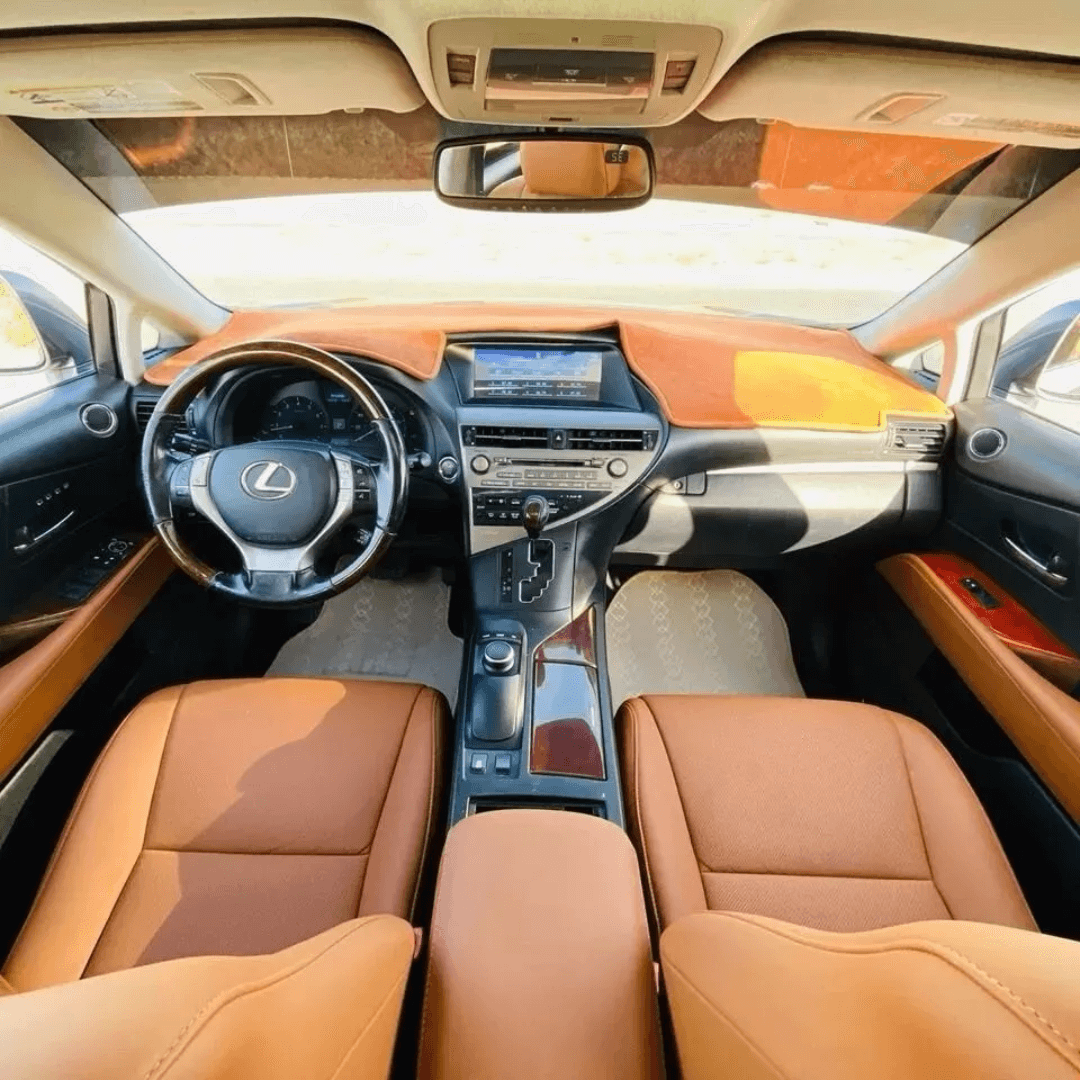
21 347
1060 376
553 173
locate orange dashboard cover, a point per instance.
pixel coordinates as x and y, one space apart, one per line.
707 371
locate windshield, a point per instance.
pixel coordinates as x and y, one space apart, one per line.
823 227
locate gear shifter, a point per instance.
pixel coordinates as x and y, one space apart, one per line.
535 512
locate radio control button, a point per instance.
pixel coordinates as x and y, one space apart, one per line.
480 464
617 467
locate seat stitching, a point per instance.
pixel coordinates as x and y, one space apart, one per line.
386 792
960 963
235 993
146 826
261 854
636 747
675 779
367 1027
673 969
821 877
918 814
69 825
435 738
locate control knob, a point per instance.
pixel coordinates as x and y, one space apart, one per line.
480 464
617 468
448 468
498 657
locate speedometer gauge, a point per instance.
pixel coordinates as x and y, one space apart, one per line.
296 417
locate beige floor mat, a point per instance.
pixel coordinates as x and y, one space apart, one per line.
391 630
715 631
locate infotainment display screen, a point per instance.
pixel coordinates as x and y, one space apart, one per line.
555 374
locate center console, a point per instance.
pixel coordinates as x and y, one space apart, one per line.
546 476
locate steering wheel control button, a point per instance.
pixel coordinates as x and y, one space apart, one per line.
478 764
499 657
449 469
617 468
480 464
200 470
180 484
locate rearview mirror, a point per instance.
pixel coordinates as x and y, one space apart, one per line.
545 172
21 347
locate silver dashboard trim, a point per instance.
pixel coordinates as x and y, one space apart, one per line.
810 467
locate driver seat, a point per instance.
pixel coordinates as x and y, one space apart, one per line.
239 818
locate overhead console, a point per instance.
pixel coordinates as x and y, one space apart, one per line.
566 72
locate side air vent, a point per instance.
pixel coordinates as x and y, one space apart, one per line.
917 439
143 411
592 439
144 408
509 438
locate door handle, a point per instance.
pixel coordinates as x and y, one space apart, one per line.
1042 570
29 542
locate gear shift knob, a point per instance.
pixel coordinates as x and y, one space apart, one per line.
535 512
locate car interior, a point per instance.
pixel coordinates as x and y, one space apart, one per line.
539 540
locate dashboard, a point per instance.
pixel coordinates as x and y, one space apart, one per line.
510 415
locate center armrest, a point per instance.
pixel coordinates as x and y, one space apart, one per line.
539 963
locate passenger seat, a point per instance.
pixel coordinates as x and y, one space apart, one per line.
827 814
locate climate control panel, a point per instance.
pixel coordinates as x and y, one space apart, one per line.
576 469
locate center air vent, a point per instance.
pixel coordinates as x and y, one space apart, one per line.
510 438
917 439
593 439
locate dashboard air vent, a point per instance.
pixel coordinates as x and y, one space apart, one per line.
593 439
143 411
919 439
144 408
510 438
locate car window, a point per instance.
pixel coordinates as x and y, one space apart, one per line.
1038 365
44 334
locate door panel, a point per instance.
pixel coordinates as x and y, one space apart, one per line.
1017 515
63 492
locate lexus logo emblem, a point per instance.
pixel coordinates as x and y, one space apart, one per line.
268 480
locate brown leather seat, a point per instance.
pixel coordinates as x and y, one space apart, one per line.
759 999
828 814
239 818
328 1007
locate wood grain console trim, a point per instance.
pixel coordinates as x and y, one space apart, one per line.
1013 624
707 371
1042 720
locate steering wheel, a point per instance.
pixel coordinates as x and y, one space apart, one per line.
279 502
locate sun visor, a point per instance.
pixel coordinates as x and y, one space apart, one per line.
275 72
944 95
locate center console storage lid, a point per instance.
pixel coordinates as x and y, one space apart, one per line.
539 963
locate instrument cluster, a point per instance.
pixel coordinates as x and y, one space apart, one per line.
321 410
